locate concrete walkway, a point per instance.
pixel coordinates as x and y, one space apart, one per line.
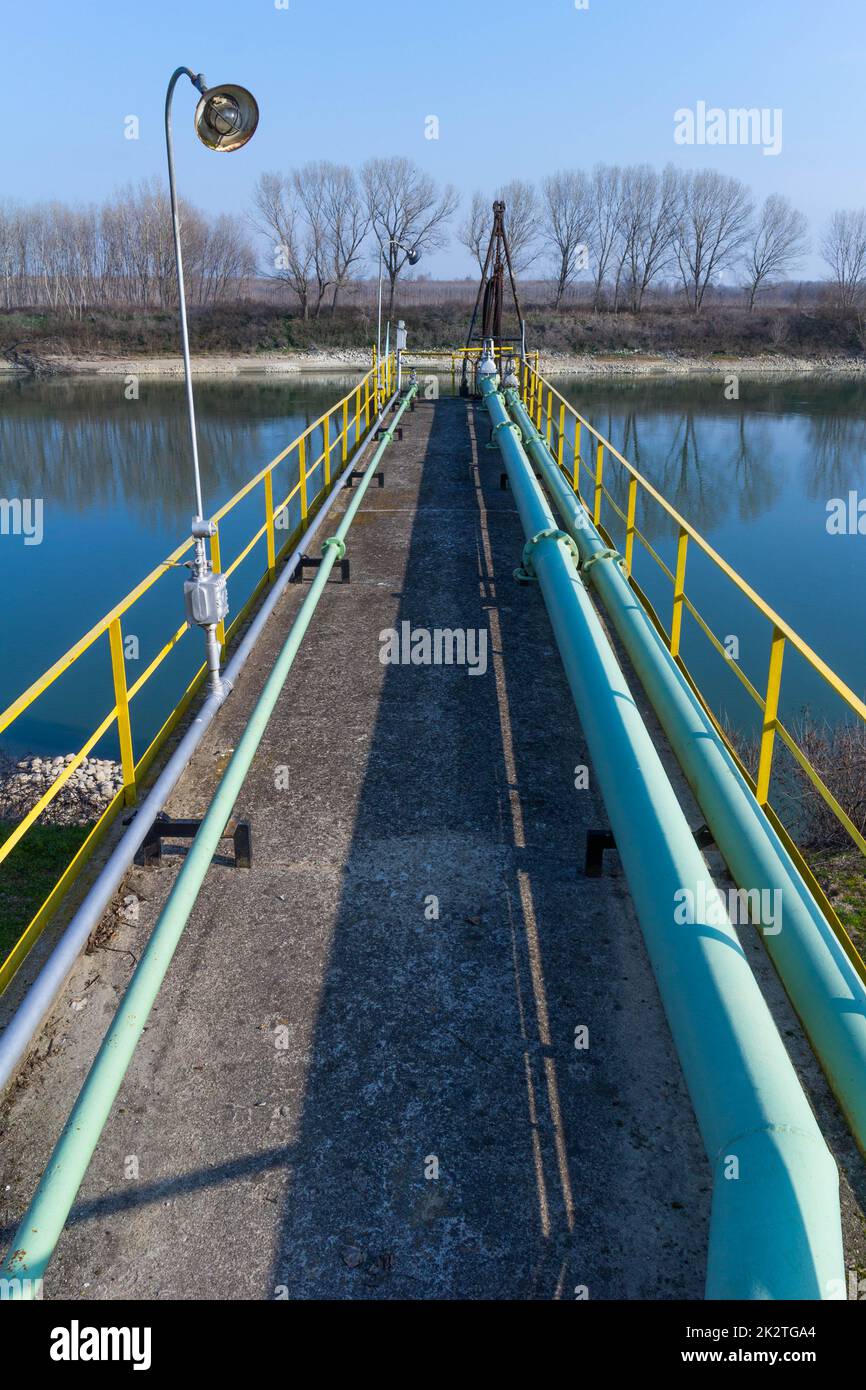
360 1079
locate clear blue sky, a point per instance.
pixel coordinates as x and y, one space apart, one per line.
539 85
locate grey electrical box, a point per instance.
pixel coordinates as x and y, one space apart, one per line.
206 600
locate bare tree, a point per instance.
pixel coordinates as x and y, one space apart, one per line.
279 219
711 230
606 200
566 225
347 222
522 221
73 258
474 231
843 247
226 261
648 215
310 184
405 207
777 243
522 224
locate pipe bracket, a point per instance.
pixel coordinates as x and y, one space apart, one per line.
339 546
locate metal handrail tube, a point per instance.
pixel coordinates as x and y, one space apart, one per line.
25 1023
775 1224
43 1222
822 982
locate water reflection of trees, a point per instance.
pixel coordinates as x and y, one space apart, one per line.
83 444
707 468
837 455
715 459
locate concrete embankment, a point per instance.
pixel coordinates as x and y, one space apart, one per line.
775 366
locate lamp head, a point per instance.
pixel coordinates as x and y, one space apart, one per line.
413 255
226 117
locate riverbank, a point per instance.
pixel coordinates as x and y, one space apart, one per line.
36 863
289 363
81 799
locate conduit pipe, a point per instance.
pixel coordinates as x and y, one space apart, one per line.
42 1224
25 1023
775 1226
821 981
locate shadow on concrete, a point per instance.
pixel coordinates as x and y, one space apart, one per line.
454 1142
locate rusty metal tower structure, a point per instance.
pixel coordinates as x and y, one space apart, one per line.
491 297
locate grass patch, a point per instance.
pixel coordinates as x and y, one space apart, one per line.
841 875
31 871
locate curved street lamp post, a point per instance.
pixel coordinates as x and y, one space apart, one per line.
225 119
413 256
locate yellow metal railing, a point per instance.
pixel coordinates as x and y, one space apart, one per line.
342 428
583 453
455 356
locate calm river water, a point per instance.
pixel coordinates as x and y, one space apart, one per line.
755 476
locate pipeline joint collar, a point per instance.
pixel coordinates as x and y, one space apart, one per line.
338 544
492 442
526 573
509 425
606 554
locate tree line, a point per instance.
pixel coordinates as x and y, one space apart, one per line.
620 229
121 253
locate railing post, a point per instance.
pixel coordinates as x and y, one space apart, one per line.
121 700
326 449
357 414
561 435
549 414
771 713
216 566
599 475
344 453
679 590
631 511
367 403
302 474
575 473
270 534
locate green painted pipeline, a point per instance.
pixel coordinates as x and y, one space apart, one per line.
775 1225
821 981
43 1223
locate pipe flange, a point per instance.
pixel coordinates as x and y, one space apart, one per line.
338 544
503 425
550 534
602 555
508 425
